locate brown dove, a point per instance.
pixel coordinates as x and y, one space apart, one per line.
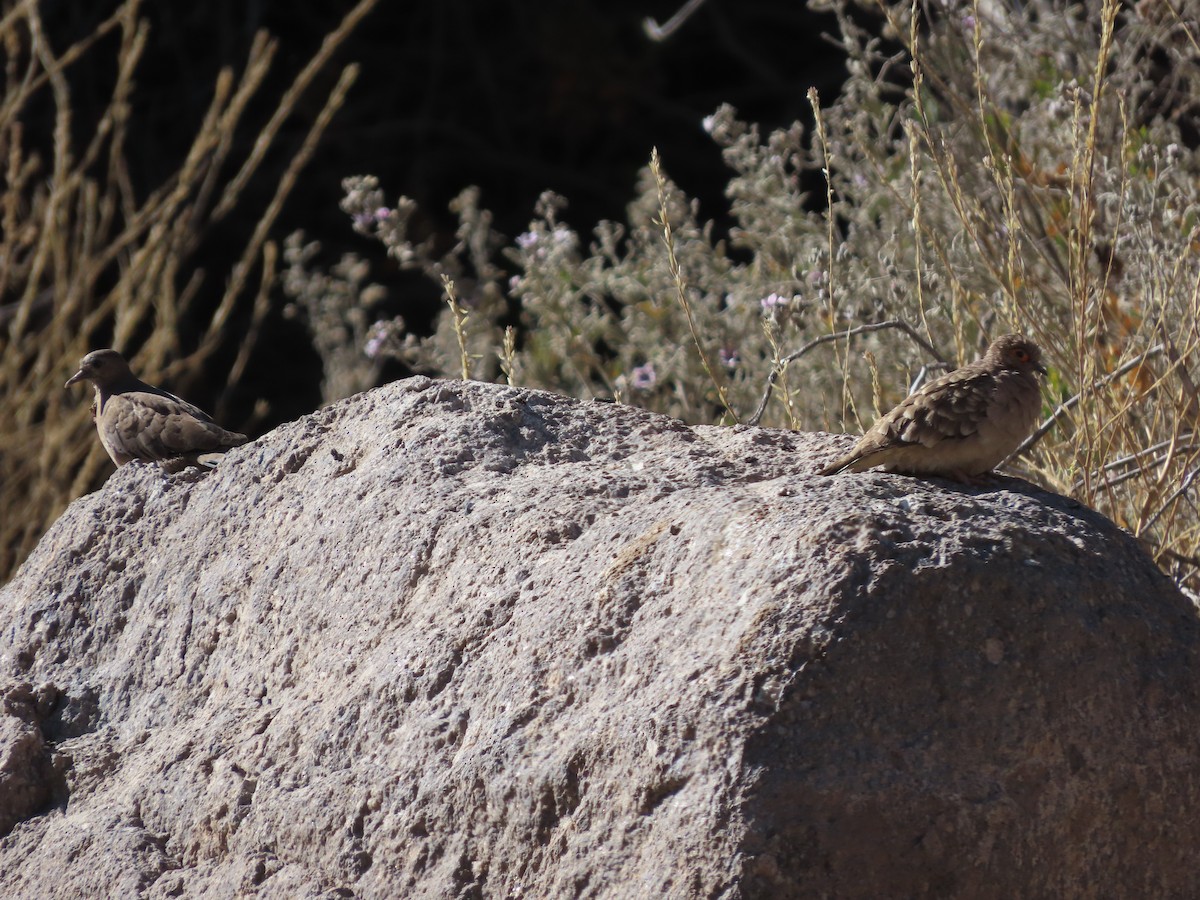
961 425
136 420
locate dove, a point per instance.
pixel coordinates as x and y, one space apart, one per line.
136 420
961 425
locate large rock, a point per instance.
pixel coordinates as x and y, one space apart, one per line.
444 640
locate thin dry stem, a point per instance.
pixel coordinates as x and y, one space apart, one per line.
681 287
460 326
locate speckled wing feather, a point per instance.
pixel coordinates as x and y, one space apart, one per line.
948 408
155 425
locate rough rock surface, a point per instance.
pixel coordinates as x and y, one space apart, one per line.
445 640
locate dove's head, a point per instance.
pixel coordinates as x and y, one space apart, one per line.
103 368
1015 352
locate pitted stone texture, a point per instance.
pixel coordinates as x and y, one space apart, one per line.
457 640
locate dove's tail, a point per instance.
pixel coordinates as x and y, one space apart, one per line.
854 461
837 466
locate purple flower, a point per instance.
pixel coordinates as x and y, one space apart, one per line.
772 302
365 219
527 240
643 378
730 358
377 337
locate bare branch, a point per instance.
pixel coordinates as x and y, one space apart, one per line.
781 366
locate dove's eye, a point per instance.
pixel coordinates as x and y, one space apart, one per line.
1021 355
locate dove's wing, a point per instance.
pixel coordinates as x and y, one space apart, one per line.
157 425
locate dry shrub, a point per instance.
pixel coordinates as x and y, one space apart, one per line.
86 257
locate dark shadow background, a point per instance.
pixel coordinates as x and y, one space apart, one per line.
516 97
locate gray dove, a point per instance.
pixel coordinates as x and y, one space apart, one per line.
961 425
136 420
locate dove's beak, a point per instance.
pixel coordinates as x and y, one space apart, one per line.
78 376
1039 367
